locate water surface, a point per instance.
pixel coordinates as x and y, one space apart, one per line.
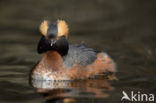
123 29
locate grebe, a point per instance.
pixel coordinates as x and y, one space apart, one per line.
62 61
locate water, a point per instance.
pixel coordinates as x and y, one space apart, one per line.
123 29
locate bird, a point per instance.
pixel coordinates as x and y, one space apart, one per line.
62 61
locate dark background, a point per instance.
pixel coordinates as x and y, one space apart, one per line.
125 29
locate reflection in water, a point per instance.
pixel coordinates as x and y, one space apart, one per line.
53 90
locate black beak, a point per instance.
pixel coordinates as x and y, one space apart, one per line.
45 45
60 46
52 42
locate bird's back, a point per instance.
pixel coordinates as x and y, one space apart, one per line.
79 54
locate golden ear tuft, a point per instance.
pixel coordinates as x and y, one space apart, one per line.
62 28
44 27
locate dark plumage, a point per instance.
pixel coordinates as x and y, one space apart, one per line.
79 54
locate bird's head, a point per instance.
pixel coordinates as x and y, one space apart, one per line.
54 37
